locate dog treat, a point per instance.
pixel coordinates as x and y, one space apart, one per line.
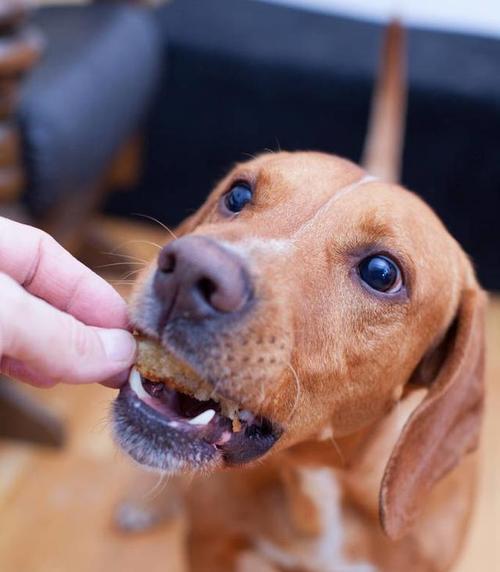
157 365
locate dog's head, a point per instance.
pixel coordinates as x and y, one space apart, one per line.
307 294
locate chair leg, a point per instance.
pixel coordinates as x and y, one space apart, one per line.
23 418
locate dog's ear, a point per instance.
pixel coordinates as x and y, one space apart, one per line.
445 426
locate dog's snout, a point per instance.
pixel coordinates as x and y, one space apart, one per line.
197 278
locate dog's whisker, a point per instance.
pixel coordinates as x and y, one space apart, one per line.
189 478
153 219
100 425
138 241
121 282
124 263
158 487
338 449
142 241
250 155
126 256
298 392
131 273
262 392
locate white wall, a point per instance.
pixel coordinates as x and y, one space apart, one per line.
474 16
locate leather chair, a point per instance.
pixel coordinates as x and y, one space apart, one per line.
67 120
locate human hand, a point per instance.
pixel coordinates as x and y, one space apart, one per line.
59 321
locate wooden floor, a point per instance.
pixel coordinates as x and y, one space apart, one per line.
56 507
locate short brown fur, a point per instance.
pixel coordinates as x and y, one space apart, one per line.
337 367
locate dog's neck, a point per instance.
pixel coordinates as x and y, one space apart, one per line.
359 459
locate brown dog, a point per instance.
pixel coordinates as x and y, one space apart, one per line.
346 325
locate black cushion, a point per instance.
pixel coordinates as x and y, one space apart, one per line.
89 92
245 76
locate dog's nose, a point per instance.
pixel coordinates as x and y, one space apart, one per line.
197 278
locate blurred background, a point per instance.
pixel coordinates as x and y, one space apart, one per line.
114 109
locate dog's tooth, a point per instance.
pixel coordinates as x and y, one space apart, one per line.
225 437
203 418
135 383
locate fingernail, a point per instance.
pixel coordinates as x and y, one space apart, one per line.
119 345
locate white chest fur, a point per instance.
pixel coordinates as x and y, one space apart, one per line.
324 553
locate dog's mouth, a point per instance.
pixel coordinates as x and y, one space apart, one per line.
165 427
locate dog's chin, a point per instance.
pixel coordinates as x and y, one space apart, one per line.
169 431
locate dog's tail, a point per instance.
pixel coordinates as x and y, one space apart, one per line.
385 135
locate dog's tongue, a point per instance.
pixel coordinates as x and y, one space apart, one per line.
188 422
200 419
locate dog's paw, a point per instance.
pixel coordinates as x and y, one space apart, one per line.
250 561
132 516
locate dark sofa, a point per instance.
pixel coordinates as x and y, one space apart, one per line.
244 76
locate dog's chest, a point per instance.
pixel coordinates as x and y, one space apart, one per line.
328 550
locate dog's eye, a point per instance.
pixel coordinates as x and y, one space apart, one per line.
381 274
239 196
